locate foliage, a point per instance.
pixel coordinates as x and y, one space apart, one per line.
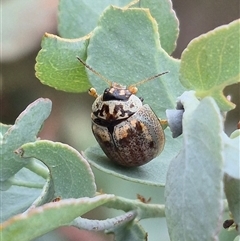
127 44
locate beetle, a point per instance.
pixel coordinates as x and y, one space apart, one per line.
128 131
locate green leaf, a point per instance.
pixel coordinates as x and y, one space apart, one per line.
232 191
24 130
129 232
211 62
78 18
166 19
153 173
57 65
193 192
48 217
70 173
131 52
23 189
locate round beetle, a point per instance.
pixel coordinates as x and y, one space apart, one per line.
128 131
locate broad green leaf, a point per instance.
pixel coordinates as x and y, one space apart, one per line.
129 232
70 173
194 186
232 191
166 19
78 18
131 52
153 173
57 65
23 189
24 130
50 216
211 62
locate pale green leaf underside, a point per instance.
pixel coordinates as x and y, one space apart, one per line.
153 173
48 217
211 62
24 130
194 186
57 65
24 194
70 172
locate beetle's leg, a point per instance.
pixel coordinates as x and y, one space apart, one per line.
93 92
164 123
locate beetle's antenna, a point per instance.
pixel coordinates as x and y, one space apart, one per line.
133 89
95 72
150 78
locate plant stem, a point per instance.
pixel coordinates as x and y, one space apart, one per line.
20 183
144 210
38 168
100 225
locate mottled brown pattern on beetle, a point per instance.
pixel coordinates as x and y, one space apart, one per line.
134 141
140 146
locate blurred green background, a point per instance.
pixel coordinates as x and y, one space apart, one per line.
23 24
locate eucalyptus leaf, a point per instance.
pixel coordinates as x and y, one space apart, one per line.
78 18
168 24
57 65
211 62
18 197
25 129
70 172
48 217
194 186
131 52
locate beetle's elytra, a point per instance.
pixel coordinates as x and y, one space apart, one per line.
129 133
